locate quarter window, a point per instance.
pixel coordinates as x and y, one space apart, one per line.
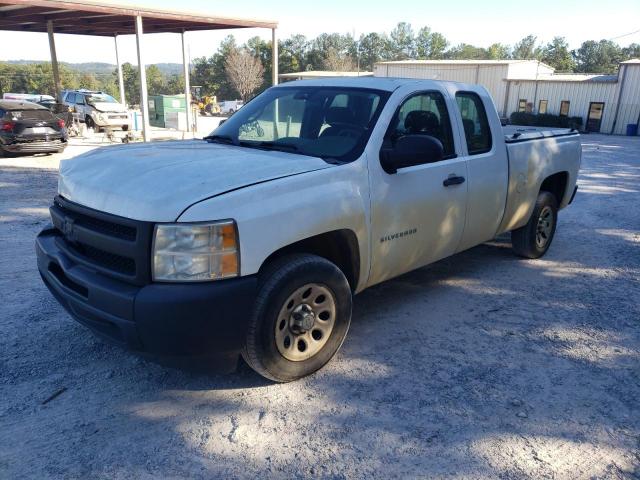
424 114
474 120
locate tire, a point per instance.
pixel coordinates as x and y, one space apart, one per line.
320 320
89 122
534 239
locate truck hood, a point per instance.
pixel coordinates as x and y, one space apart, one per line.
158 181
109 107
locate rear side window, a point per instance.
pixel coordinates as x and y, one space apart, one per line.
424 114
474 120
71 98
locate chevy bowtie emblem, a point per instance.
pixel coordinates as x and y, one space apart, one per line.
68 229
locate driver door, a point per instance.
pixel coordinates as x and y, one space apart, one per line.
417 214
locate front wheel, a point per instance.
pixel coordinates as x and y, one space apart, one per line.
533 240
301 317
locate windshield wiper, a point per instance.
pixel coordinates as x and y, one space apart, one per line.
273 146
226 139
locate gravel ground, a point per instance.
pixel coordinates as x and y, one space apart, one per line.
482 365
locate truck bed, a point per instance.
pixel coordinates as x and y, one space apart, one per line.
536 153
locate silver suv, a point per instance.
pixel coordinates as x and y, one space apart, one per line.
97 109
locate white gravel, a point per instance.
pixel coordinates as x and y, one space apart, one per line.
482 365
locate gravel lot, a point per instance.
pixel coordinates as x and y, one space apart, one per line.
482 365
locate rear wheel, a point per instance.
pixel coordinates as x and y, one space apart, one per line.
89 122
301 317
533 240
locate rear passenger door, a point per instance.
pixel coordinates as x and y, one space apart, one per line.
487 167
417 217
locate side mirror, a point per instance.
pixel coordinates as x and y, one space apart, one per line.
410 150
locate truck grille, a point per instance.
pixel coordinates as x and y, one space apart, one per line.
115 246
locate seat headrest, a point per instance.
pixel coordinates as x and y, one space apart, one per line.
469 127
420 121
337 115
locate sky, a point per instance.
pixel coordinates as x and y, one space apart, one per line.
478 22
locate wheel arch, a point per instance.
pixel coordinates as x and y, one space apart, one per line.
338 246
556 184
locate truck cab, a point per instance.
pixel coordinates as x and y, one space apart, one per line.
253 241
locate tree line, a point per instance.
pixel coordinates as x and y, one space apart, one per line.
241 70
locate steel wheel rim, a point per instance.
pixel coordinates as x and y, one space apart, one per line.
544 228
305 322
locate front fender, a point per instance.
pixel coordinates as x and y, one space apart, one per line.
278 213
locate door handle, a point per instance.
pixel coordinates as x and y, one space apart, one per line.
453 180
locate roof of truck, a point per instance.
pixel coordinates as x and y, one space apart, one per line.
388 84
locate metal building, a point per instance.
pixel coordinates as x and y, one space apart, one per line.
606 103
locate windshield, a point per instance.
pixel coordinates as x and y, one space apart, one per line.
333 123
100 98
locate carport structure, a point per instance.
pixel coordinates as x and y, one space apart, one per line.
82 17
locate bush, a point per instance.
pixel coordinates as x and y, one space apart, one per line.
545 120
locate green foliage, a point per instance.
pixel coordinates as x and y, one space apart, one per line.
599 57
331 51
545 120
557 54
526 49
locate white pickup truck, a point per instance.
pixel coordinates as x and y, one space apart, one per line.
253 241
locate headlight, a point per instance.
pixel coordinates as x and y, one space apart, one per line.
195 252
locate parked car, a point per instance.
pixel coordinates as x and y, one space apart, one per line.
254 245
27 127
229 107
97 109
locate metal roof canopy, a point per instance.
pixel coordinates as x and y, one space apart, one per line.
85 17
89 17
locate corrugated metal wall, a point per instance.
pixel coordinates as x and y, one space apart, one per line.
493 78
579 94
490 76
630 99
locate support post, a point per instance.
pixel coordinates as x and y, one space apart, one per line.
123 100
54 61
274 56
187 87
144 103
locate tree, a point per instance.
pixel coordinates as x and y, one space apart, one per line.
598 57
336 62
371 49
155 81
526 49
632 51
439 45
464 51
244 72
497 51
293 54
423 43
557 54
402 42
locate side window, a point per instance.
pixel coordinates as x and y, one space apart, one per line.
424 114
79 99
71 98
474 120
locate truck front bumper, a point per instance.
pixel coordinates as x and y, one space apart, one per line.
167 321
